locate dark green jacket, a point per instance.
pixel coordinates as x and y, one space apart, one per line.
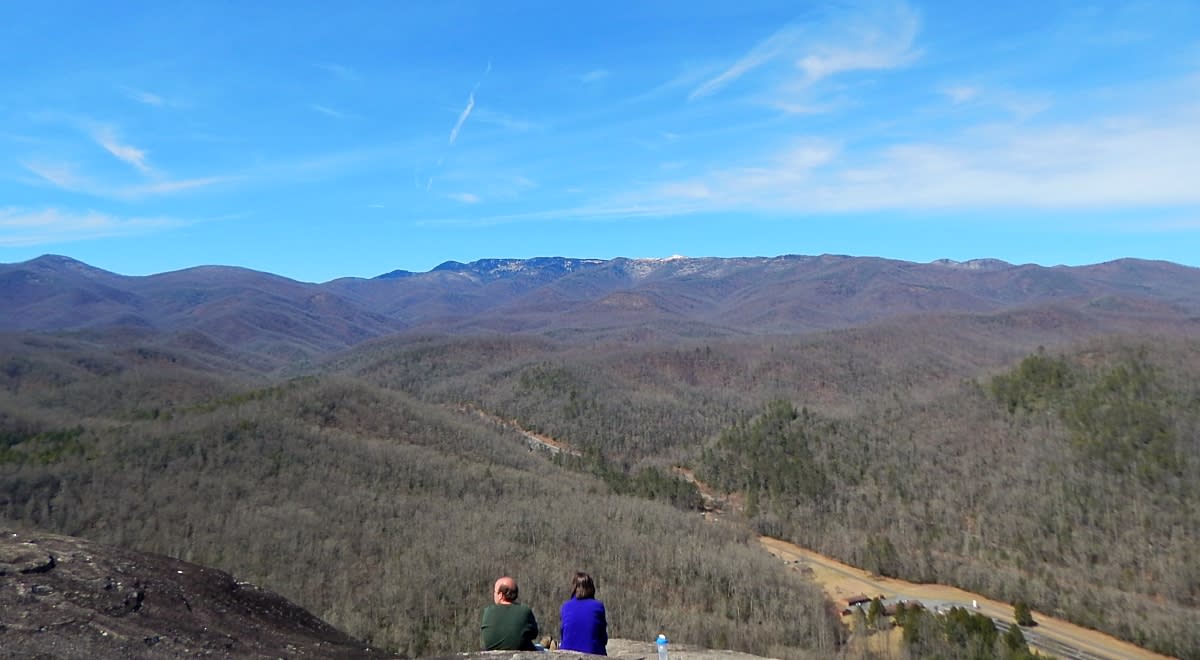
508 628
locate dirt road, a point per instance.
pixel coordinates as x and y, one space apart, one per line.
841 580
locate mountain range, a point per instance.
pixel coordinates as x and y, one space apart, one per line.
275 320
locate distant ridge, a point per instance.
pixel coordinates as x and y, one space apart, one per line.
281 320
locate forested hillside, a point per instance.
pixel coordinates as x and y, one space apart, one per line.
952 451
385 515
1067 482
367 489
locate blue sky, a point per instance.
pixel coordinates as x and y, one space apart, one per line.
317 140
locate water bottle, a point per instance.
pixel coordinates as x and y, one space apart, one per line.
661 643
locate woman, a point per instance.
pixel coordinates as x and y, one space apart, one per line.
584 626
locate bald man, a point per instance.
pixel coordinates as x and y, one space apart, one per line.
507 625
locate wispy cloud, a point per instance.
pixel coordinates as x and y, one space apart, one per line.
805 107
1105 163
1020 104
106 136
872 36
777 45
878 39
329 112
67 177
959 94
144 97
63 175
597 212
170 187
486 116
594 76
523 182
343 72
1143 163
465 198
23 227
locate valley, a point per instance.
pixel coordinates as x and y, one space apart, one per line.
840 581
331 441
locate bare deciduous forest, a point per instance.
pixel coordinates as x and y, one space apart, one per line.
360 489
385 515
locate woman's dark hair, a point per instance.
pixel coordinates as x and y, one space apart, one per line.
582 586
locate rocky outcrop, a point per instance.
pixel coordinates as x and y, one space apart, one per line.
64 597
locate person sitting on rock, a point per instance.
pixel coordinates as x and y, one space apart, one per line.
584 624
508 625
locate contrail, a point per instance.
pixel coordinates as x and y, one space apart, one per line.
462 119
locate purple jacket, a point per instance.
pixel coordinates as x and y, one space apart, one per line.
584 626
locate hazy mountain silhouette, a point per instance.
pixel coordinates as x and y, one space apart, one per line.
278 319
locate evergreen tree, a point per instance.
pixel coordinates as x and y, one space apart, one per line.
875 615
1014 642
1022 614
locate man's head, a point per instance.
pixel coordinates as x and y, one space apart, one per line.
505 592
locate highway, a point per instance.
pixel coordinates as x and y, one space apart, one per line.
1055 636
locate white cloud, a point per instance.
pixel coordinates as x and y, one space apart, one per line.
465 198
879 39
106 136
169 187
506 122
597 212
328 112
22 227
1146 162
772 47
803 108
959 94
870 37
523 182
1020 104
65 176
594 76
144 97
686 190
345 73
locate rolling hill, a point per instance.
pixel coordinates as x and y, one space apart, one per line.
981 424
